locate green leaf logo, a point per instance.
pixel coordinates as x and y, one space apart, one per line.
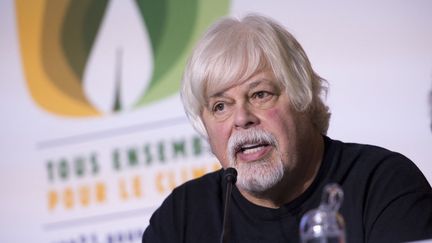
93 57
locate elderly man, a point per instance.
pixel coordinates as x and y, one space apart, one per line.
250 90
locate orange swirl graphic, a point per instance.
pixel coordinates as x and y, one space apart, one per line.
40 41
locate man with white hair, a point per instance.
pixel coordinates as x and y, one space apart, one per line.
250 90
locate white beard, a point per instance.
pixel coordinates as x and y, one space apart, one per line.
257 176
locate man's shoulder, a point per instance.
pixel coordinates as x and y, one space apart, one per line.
380 188
365 152
195 193
364 162
208 183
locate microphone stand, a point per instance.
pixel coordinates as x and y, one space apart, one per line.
230 175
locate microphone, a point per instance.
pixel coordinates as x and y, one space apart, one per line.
230 176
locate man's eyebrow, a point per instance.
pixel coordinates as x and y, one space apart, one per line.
256 83
216 94
219 93
251 85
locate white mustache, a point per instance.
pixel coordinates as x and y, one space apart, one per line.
250 136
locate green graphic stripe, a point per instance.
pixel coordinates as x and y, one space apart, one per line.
81 24
185 22
154 16
176 32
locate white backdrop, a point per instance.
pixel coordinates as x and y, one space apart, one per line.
376 56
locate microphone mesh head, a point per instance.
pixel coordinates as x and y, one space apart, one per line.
230 175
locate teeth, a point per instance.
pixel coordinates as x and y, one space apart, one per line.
251 150
246 146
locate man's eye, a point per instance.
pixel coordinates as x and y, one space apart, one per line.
261 95
218 107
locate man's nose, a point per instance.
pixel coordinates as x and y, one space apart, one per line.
245 117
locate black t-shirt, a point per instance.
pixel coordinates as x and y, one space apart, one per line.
386 199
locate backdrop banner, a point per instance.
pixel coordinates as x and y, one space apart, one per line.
93 135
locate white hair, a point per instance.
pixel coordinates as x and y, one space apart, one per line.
233 50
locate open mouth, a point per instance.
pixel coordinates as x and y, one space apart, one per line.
249 152
251 148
